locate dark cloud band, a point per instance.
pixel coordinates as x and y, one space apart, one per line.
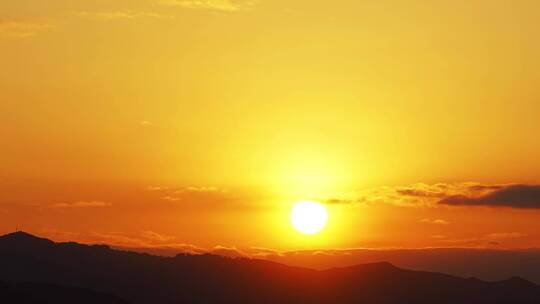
514 196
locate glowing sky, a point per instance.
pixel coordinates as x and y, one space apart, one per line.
199 123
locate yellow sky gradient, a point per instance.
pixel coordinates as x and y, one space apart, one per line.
202 122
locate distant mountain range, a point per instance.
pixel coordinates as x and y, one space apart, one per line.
144 278
488 264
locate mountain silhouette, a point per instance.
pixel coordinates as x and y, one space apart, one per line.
143 278
39 293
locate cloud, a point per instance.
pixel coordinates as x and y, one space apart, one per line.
201 189
156 188
160 244
513 196
217 5
504 235
232 252
479 241
121 14
82 204
144 241
145 123
373 196
480 187
207 197
92 237
156 237
432 195
416 195
438 236
423 190
22 29
489 239
435 221
262 252
194 194
170 198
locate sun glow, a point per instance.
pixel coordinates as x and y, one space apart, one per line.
309 217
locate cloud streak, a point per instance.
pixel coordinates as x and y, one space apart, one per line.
216 5
434 221
489 239
193 193
416 195
513 196
82 204
22 29
121 15
144 241
450 194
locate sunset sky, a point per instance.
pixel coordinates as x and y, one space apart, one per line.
197 124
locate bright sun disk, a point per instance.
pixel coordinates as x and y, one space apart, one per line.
309 217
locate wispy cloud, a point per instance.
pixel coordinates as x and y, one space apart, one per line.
457 194
81 204
162 244
490 239
156 188
513 196
187 189
232 252
434 221
415 195
144 241
145 123
170 198
504 235
193 193
22 28
200 189
218 5
157 237
121 14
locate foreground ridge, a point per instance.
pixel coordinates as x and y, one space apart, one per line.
144 278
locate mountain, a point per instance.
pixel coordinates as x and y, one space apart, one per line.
487 264
144 278
38 293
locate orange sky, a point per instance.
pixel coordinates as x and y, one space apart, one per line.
196 124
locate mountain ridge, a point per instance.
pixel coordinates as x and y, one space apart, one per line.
144 278
39 293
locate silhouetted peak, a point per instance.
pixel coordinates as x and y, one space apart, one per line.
386 265
517 281
21 237
18 234
379 266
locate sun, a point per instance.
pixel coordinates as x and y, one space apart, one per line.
308 217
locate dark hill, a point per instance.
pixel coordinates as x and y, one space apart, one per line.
142 278
39 293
